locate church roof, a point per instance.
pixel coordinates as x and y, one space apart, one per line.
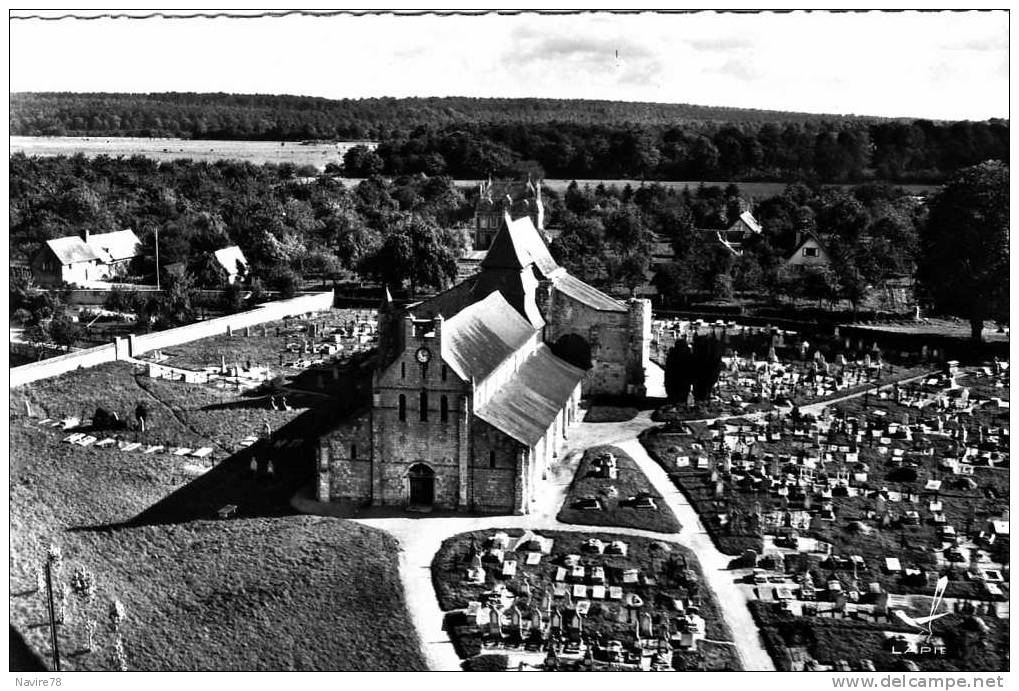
483 335
527 405
588 295
518 244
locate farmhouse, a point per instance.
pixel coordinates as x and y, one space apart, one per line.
81 260
476 387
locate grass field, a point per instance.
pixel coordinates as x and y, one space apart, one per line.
316 154
268 590
630 482
449 577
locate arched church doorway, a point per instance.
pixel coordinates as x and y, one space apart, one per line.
422 485
574 349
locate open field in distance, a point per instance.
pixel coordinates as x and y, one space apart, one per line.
317 154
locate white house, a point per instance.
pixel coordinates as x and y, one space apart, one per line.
85 259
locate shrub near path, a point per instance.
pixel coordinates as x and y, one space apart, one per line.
588 482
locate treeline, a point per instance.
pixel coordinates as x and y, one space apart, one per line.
919 151
292 118
464 137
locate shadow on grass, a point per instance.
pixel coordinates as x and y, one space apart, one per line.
21 657
255 494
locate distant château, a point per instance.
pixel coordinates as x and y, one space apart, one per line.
502 197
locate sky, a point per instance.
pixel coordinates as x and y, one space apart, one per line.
938 65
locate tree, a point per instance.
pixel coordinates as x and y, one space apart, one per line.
361 162
417 251
964 257
64 331
706 362
678 372
232 298
206 271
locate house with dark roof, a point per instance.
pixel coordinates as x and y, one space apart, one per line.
82 260
476 387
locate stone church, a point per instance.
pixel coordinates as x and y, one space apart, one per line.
496 199
476 388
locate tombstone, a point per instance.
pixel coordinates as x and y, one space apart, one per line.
229 331
494 623
645 627
254 465
141 414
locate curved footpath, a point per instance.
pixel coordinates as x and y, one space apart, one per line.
421 537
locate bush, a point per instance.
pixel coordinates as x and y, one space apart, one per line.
486 663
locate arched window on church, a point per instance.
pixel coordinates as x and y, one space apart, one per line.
491 459
444 409
403 370
353 451
403 408
424 406
443 373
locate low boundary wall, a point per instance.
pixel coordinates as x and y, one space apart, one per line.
133 346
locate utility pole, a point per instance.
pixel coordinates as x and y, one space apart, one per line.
53 619
157 257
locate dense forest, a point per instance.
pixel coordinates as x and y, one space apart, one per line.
465 137
291 118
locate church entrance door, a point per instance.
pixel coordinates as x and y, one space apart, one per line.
422 485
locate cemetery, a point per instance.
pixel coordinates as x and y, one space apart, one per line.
857 511
557 600
609 489
765 368
316 354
